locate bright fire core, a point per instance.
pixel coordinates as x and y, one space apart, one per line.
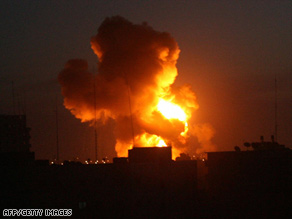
170 110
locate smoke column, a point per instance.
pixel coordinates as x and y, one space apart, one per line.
136 63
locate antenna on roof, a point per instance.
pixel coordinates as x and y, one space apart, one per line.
19 111
13 97
24 103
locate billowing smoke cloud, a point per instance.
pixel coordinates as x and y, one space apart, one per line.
136 69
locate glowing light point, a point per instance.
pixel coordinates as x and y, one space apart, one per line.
170 110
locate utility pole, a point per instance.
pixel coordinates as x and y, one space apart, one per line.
276 110
130 107
95 118
57 131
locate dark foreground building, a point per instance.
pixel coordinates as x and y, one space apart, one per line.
141 188
148 184
251 184
14 140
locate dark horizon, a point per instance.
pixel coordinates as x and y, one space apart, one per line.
236 184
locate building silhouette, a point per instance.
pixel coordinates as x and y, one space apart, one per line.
252 183
15 140
146 184
255 183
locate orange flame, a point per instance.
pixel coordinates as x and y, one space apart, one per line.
136 63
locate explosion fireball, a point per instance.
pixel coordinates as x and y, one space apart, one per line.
135 88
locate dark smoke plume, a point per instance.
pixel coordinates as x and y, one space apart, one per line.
137 66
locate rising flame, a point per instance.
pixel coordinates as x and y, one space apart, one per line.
150 140
137 67
170 111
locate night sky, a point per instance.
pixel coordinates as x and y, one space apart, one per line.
231 53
